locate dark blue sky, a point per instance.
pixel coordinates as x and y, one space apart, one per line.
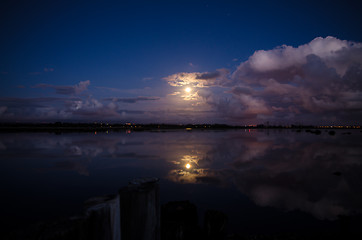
92 61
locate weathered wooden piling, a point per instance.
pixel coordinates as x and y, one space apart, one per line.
140 210
102 219
134 213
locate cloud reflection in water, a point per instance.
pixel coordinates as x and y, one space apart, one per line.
290 172
188 170
282 169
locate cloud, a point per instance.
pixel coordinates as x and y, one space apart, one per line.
33 109
50 108
196 79
30 103
317 82
73 108
67 90
323 76
208 75
91 108
132 100
13 102
48 69
145 79
125 111
330 49
3 109
76 106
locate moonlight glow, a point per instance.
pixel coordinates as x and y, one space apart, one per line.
187 89
188 166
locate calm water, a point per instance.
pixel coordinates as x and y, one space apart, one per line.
265 181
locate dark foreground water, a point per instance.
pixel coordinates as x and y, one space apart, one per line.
266 181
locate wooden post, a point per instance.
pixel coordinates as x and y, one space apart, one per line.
134 214
102 219
140 210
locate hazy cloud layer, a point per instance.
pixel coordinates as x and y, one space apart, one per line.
33 109
76 106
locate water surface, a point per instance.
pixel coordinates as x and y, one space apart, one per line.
266 181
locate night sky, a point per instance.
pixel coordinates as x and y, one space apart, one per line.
234 62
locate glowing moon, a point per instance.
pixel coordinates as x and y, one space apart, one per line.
188 166
187 89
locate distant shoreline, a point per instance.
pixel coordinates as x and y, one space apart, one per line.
107 127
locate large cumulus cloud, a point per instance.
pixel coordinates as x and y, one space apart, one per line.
323 76
317 82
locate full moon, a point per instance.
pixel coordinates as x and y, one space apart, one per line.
188 166
188 89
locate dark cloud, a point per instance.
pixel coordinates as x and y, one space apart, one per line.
196 79
208 75
83 108
208 180
31 108
67 90
48 69
50 108
3 109
96 114
132 100
29 101
241 90
125 111
204 93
